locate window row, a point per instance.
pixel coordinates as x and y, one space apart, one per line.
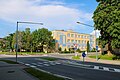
78 36
77 41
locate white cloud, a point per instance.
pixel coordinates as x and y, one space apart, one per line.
54 15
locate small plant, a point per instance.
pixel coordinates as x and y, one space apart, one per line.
78 50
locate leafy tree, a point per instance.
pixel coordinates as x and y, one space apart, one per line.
107 20
88 47
20 42
27 39
42 37
8 40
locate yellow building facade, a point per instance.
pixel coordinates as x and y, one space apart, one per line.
70 39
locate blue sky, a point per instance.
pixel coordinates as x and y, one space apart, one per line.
55 14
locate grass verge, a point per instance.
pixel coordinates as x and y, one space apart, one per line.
10 62
49 58
105 57
42 75
76 57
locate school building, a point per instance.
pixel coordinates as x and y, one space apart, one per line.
70 39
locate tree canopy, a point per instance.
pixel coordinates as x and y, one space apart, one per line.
30 41
107 19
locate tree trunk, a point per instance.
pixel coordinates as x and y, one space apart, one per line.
109 49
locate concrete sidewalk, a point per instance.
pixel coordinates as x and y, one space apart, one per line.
14 72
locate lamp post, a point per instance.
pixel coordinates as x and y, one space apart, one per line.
16 46
95 37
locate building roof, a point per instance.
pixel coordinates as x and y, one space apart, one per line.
72 32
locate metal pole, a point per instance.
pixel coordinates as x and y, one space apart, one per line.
95 37
16 46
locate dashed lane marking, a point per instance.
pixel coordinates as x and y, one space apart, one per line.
106 69
27 64
32 66
96 67
117 70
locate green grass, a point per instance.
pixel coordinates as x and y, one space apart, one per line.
76 57
49 58
105 57
42 75
10 62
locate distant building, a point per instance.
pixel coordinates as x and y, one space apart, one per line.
70 39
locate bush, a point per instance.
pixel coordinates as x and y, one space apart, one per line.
78 50
93 50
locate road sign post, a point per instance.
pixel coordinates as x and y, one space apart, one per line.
83 55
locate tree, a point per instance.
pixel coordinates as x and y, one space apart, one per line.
42 37
27 39
20 41
8 40
107 20
88 47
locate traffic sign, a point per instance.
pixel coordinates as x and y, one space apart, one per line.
83 54
97 48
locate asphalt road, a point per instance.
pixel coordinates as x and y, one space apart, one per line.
77 72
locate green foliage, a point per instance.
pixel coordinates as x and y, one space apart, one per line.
93 50
78 50
29 41
107 20
76 57
65 50
42 75
106 57
60 49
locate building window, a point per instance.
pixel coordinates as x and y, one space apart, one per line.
78 36
68 40
68 35
82 36
72 40
82 41
78 41
72 35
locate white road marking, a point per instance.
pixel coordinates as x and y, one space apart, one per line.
106 69
46 64
117 70
27 64
39 65
57 63
33 66
34 63
52 64
96 67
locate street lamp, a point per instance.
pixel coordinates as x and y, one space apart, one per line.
17 33
95 36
